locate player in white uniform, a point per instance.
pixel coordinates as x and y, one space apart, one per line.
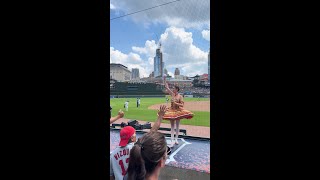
126 105
119 158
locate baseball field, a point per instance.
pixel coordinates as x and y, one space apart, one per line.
148 109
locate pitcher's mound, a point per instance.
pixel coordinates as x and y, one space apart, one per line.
191 106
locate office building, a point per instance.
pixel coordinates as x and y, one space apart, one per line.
119 72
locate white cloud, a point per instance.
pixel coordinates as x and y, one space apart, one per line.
184 13
171 74
178 52
131 60
139 50
149 49
112 6
206 34
117 56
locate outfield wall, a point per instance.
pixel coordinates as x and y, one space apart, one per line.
196 95
137 96
156 96
136 89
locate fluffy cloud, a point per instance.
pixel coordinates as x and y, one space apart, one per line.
119 57
149 49
171 74
112 6
178 52
206 34
187 14
131 60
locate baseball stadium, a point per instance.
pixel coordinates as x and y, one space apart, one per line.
160 82
191 158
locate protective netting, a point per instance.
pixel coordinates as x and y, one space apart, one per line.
182 27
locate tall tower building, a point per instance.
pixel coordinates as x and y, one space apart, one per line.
162 69
209 66
177 74
176 71
135 73
158 63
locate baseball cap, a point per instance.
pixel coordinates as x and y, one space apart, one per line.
125 135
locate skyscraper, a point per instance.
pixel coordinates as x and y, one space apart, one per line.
135 73
162 69
209 66
158 63
176 71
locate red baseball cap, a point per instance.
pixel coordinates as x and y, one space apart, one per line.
125 135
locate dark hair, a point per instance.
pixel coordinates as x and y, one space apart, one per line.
177 87
110 111
146 154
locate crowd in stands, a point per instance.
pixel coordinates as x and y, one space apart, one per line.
198 90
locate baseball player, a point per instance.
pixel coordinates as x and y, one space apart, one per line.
126 105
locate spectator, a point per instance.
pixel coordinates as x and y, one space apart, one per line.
119 158
113 119
149 154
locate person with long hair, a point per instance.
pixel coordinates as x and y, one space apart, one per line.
149 153
176 112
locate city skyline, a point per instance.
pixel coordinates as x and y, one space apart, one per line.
160 67
135 71
185 39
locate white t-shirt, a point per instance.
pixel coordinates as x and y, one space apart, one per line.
126 104
119 160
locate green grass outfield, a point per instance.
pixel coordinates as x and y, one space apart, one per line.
144 114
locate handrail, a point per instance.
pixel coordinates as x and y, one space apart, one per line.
183 131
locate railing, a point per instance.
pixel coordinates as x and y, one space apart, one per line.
183 131
136 96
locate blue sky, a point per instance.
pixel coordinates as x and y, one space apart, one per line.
125 33
183 34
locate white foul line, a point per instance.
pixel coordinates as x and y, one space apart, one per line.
176 151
